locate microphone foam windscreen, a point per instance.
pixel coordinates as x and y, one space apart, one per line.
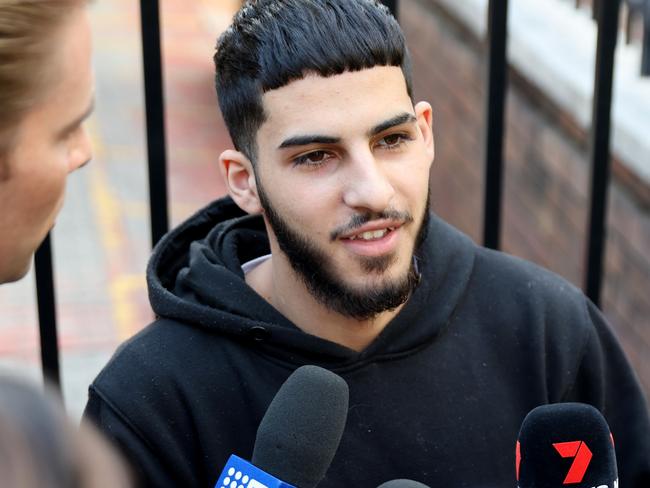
565 444
301 430
402 484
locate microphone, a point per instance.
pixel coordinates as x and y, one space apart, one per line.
298 435
565 444
402 484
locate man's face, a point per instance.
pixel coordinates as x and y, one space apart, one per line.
50 143
343 177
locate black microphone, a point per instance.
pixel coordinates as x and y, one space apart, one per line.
298 436
565 444
402 484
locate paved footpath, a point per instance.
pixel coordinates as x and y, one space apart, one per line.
101 239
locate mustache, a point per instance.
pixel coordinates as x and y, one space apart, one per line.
360 219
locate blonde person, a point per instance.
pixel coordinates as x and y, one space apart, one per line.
46 93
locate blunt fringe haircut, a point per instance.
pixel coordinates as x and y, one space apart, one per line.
274 42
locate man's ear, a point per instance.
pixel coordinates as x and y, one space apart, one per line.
237 172
424 114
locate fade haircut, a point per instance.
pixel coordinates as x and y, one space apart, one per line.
274 42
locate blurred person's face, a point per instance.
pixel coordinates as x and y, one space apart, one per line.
50 142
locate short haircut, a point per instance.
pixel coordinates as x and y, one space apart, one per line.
274 42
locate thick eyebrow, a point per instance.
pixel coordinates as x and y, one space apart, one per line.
77 121
392 122
321 139
308 139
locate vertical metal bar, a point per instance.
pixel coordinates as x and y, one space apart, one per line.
392 6
153 89
496 92
47 313
645 47
595 9
600 143
629 17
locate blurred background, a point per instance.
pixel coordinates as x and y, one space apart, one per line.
101 242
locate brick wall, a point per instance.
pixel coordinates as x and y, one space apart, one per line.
546 190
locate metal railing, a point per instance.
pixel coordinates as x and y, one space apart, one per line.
599 146
635 22
495 117
639 10
158 205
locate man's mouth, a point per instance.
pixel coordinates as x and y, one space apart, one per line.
371 235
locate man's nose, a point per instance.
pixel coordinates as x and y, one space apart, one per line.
367 184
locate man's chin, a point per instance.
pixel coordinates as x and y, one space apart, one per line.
368 295
370 281
376 271
378 266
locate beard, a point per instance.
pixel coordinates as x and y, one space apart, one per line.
316 270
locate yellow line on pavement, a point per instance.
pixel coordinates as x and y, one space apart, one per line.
122 290
109 216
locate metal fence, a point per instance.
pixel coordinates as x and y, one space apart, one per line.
607 16
634 21
639 10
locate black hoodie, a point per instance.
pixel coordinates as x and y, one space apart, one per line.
437 397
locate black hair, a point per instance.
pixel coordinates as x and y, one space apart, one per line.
274 42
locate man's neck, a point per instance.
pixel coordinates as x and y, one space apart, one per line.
281 287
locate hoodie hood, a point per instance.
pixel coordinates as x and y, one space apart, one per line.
195 277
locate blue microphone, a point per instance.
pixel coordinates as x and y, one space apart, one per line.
298 435
239 473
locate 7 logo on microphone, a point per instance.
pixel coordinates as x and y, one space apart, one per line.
239 473
581 455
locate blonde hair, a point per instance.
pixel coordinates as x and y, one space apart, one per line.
28 30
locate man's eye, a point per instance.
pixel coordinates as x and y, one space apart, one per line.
314 158
393 141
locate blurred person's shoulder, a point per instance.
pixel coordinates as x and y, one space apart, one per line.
39 446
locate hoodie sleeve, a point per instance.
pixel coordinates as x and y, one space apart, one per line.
606 380
149 467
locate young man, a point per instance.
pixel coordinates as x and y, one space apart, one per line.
326 253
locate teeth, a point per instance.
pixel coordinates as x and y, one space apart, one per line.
372 234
